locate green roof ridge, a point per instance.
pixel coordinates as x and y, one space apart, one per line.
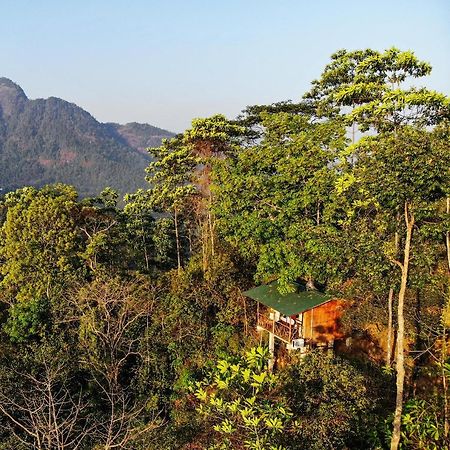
287 304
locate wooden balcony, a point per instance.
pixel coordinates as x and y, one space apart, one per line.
283 330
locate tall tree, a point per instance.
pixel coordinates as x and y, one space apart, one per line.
140 224
39 254
113 315
272 197
402 171
367 88
170 176
180 177
211 139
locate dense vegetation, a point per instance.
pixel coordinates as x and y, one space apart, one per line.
127 328
50 140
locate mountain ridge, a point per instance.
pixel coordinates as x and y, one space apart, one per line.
51 140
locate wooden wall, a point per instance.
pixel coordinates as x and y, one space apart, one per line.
325 320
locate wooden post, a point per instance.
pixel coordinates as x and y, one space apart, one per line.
271 350
272 343
301 329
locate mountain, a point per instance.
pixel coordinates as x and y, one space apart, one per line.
140 135
51 140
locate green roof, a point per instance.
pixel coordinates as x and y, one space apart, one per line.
287 304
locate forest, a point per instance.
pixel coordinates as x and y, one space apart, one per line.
124 323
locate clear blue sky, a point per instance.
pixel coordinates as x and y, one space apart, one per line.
165 62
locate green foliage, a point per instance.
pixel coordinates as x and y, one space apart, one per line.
27 319
140 225
410 166
368 83
214 136
164 242
271 200
422 425
39 245
140 356
332 402
237 400
316 402
170 175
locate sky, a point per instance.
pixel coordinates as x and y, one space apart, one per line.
167 62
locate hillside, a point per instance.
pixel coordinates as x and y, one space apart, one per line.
51 140
140 135
290 293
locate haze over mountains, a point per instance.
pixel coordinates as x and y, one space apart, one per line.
51 140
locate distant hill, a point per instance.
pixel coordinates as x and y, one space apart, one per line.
140 135
50 140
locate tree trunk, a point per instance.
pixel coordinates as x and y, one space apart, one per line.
444 378
444 339
389 334
447 236
400 360
211 228
211 235
190 240
177 238
390 310
204 228
144 243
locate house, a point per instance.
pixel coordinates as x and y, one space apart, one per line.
301 319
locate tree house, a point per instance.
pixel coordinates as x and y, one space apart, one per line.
301 319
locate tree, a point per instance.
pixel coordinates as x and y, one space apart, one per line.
211 139
113 315
401 171
365 86
333 402
39 254
170 177
40 402
181 178
99 222
316 402
140 224
272 198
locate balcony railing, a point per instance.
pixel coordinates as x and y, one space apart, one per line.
285 331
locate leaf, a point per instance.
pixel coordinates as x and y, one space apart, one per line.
223 366
259 378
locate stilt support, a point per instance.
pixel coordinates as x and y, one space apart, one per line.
271 350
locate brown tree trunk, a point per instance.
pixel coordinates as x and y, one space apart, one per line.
444 378
211 235
390 310
389 334
144 243
177 238
444 338
400 359
205 244
211 228
447 236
